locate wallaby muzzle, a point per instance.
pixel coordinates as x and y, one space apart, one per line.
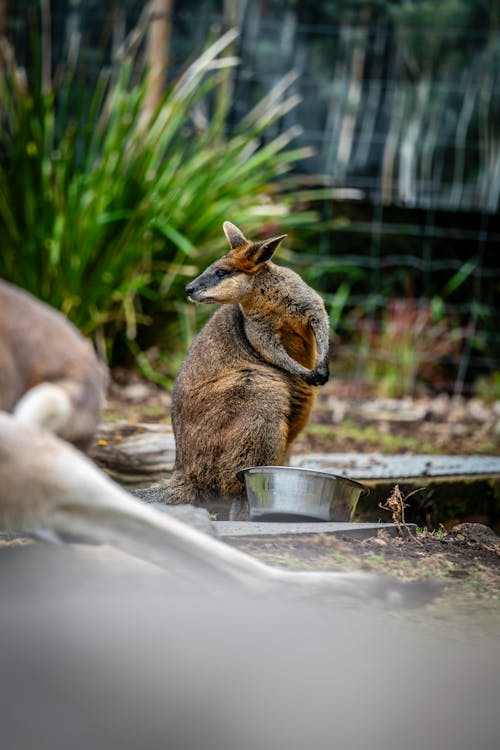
193 291
199 289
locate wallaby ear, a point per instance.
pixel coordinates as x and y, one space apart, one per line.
234 236
263 251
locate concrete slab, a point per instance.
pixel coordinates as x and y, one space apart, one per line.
398 467
231 529
446 489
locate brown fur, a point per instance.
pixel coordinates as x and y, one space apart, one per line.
246 388
38 345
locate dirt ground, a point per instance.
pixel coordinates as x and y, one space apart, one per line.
348 418
466 559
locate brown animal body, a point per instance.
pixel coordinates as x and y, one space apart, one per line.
49 373
247 385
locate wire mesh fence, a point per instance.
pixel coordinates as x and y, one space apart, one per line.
401 102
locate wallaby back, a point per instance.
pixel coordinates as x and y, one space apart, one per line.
246 387
49 373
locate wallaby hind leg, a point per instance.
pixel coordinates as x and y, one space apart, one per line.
270 449
213 443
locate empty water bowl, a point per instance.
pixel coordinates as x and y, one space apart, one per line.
286 493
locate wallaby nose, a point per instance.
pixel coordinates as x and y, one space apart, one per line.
190 289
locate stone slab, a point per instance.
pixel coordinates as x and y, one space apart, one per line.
352 530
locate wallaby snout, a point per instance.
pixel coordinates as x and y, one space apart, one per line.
191 290
221 283
207 287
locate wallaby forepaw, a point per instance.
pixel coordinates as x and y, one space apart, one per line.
319 376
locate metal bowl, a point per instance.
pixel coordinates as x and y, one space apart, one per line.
283 492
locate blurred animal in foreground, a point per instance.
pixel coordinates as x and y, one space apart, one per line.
102 651
49 373
50 489
247 385
204 648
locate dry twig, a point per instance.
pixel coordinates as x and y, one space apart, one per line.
396 504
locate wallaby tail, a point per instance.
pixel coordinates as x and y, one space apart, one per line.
46 405
69 408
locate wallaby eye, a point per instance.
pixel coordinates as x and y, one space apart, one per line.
221 273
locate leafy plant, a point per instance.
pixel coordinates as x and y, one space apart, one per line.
488 386
106 218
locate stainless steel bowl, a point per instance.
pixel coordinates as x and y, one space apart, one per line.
281 492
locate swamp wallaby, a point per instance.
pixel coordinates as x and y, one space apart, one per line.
247 385
49 373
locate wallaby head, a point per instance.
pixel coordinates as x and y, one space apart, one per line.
231 277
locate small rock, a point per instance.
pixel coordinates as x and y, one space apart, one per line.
379 542
458 414
458 428
478 410
478 533
198 518
135 392
392 410
339 408
439 407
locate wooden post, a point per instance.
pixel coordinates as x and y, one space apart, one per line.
3 32
157 56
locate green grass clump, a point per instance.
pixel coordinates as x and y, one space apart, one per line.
106 219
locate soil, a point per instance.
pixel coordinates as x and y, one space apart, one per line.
466 559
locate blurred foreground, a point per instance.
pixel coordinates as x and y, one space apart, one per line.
101 650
